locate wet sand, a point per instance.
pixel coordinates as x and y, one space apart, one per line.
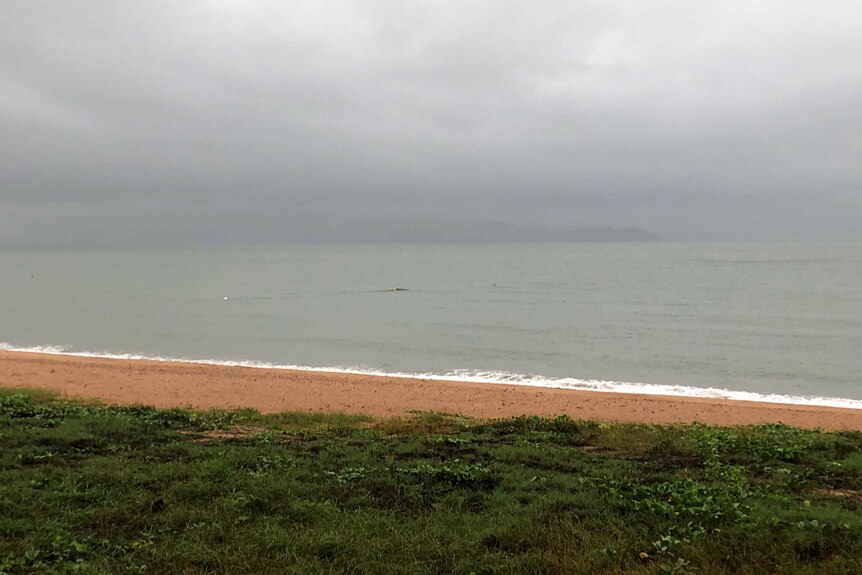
177 384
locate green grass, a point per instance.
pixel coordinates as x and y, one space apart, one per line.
86 488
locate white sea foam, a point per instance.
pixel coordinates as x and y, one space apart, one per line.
472 376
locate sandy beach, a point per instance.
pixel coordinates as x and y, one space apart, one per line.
178 384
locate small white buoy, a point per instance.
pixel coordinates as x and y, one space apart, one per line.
226 298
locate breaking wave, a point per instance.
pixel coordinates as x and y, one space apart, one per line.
492 377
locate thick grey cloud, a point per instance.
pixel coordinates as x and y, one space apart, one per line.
263 121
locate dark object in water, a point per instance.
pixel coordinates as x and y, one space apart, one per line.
398 289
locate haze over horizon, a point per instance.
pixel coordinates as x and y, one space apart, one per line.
241 122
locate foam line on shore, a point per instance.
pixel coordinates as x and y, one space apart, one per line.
475 376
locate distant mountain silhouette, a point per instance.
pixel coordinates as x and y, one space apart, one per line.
506 232
610 235
368 231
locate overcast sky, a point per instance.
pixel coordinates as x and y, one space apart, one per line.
163 121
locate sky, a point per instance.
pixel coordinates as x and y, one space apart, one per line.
166 122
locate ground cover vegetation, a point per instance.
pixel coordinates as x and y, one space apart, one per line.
86 488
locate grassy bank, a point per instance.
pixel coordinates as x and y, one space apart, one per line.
93 489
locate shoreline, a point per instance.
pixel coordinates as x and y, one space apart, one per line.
205 386
467 376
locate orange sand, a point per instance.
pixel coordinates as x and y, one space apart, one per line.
177 384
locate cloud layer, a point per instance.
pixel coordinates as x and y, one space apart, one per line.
232 121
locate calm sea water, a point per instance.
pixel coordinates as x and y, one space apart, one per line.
770 319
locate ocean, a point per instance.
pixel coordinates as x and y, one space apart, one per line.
775 322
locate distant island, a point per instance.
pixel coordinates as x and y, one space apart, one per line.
332 231
506 232
611 235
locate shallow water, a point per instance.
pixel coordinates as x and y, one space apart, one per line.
769 319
